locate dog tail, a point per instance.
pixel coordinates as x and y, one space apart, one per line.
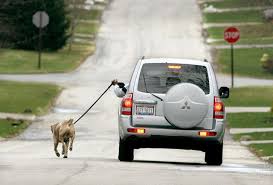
51 128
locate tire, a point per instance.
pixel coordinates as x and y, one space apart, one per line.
126 152
214 155
185 105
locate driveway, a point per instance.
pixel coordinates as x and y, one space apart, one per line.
131 29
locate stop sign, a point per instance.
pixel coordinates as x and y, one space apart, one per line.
232 35
40 19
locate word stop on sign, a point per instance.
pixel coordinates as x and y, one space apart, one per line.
231 35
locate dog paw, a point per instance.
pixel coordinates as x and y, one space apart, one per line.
65 156
62 152
58 155
70 148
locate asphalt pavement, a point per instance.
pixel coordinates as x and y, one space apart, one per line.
130 29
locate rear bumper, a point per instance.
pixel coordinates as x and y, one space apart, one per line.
170 138
171 142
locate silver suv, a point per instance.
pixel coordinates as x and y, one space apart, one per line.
172 103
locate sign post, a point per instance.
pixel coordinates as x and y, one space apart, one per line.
40 19
232 35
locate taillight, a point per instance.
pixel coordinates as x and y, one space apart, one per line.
127 104
206 133
219 108
136 130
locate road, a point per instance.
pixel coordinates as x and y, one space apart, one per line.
154 28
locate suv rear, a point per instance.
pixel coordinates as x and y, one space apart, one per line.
172 103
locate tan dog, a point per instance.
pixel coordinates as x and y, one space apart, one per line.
64 133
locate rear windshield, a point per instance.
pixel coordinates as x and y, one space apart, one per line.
160 77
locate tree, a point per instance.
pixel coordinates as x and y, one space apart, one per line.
75 7
17 16
6 28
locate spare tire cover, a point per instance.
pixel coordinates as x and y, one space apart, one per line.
185 105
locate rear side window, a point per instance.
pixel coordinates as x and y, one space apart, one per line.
160 77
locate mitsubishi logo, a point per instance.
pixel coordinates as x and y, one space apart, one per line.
186 106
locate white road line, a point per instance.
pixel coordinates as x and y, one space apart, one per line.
256 142
247 109
249 130
232 168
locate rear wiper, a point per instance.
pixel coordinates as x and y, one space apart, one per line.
156 96
147 90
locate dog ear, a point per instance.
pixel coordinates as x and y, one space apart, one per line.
70 122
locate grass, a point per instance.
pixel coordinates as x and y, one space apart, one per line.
255 136
250 120
239 16
250 34
87 28
18 97
263 40
262 149
240 3
246 62
101 3
246 32
250 97
10 128
21 61
14 61
93 14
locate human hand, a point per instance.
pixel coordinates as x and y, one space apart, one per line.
114 82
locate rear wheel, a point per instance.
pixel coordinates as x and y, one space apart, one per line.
185 105
126 152
214 155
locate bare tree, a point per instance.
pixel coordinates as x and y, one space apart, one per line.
75 16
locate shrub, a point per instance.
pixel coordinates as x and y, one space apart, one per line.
17 16
267 63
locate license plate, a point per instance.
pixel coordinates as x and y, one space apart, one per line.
145 110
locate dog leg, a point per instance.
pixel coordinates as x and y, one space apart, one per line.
71 143
56 148
65 148
55 133
67 144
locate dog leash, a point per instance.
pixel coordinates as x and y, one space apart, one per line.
93 103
